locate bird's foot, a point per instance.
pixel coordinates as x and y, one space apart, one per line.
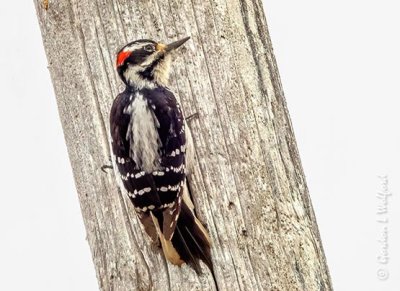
192 116
105 167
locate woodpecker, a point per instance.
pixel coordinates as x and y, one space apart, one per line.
149 143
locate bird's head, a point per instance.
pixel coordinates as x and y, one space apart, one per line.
146 63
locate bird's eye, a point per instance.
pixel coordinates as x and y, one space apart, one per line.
149 48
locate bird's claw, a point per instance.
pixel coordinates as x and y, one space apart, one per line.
104 167
190 117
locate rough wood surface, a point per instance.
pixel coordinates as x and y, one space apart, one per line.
248 181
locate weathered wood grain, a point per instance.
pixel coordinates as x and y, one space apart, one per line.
248 183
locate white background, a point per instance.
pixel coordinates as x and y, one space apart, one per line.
339 62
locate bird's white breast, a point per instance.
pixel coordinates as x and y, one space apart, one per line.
143 135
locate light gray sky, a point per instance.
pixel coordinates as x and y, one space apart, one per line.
339 62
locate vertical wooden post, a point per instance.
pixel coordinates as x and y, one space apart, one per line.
248 183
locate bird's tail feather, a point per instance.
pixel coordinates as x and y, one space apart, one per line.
169 250
190 242
191 239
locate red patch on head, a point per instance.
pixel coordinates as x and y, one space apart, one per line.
122 56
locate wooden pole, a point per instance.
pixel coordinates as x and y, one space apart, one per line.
248 183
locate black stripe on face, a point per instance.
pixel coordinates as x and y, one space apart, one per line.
138 56
148 72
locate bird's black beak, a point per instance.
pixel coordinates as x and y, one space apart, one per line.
172 46
176 44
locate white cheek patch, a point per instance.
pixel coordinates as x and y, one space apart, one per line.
150 59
